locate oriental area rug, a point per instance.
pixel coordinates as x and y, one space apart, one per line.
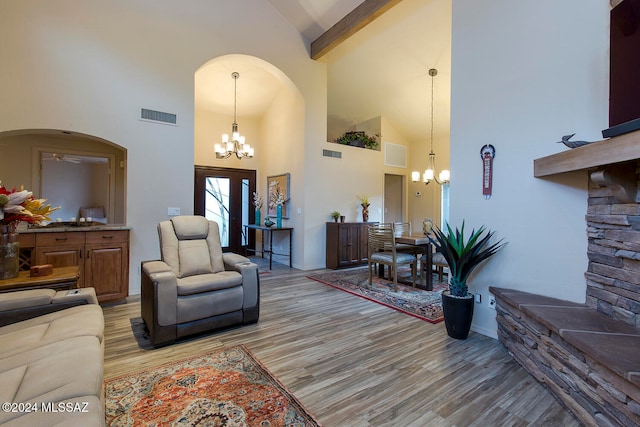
223 388
425 305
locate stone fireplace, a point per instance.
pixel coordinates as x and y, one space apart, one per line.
613 221
588 355
613 276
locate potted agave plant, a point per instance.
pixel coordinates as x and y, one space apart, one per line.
463 256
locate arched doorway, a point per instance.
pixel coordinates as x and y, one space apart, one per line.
270 114
70 169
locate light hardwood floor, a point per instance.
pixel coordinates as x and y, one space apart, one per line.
355 363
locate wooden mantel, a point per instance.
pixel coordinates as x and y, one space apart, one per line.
618 149
608 162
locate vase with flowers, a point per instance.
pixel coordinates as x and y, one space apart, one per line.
276 200
364 202
257 203
17 206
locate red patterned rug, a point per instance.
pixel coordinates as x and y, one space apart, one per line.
425 305
223 388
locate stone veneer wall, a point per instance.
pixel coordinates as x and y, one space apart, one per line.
613 276
588 360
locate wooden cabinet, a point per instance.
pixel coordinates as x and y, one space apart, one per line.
60 250
106 265
346 244
102 257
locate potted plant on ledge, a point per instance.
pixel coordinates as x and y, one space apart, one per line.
358 139
462 256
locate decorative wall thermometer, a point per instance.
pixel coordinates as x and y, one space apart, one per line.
487 153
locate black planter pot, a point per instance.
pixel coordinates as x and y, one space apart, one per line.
458 313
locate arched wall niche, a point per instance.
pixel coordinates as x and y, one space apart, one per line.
88 170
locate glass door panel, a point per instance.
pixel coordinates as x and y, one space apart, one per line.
224 196
246 209
216 205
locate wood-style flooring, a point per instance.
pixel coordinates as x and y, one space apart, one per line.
355 363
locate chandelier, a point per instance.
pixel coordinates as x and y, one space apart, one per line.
236 144
429 174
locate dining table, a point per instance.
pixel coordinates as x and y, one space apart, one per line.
423 246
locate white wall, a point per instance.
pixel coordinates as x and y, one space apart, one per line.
524 74
282 130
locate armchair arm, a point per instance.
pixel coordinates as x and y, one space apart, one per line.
250 277
22 305
231 260
159 292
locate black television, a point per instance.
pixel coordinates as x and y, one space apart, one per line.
624 74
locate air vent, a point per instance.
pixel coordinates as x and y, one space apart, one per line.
331 153
158 117
395 155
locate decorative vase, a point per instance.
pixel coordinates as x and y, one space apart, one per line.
458 314
268 222
341 218
9 252
257 216
279 216
427 226
365 213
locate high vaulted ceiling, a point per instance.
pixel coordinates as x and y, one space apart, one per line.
313 17
382 70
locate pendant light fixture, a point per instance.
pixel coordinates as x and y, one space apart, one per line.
235 144
429 174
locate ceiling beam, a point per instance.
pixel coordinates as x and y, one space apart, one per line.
357 19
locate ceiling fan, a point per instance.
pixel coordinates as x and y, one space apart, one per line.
62 158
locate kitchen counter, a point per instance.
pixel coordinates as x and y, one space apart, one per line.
65 226
100 251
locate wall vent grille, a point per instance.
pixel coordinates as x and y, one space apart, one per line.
395 155
158 117
331 153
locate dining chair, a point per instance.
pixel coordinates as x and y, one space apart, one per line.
383 250
404 229
439 263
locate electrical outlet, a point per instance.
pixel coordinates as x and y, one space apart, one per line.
492 302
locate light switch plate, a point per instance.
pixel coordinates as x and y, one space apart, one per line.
173 211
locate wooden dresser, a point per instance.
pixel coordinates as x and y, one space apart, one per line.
346 244
101 253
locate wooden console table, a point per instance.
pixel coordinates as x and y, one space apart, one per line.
268 231
61 279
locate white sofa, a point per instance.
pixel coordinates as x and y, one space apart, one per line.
51 366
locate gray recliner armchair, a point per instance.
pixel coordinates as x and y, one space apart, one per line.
196 287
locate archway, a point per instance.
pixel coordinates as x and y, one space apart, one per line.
270 114
90 171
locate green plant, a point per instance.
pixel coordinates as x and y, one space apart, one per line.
335 214
463 256
358 139
364 199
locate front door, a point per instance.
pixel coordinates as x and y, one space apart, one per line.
224 195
